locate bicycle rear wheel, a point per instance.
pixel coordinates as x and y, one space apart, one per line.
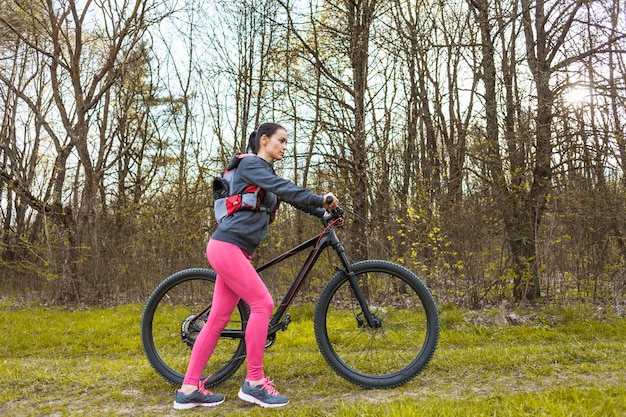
403 343
172 319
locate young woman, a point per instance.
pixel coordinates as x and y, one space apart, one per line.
229 252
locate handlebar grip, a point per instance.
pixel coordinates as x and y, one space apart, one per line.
329 199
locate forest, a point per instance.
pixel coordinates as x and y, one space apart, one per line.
479 143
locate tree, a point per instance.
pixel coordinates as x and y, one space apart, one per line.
524 198
83 58
346 31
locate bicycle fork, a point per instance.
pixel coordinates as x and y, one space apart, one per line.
373 322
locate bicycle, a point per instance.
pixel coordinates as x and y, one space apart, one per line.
375 322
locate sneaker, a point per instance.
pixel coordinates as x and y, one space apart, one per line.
200 398
264 395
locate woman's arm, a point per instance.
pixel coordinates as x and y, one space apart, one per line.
256 171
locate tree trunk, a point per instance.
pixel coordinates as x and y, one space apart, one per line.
359 18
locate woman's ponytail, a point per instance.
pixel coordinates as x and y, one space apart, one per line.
253 143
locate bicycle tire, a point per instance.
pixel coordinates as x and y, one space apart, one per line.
400 348
171 306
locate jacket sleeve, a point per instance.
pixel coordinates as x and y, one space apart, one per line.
255 170
315 211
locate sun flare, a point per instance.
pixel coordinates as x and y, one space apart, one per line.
577 96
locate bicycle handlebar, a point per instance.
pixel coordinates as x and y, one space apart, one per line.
336 213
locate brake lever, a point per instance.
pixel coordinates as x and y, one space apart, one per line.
337 213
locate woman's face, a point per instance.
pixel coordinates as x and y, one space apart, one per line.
273 148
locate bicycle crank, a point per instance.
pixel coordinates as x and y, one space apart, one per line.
271 337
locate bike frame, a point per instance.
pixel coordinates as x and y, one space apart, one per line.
327 238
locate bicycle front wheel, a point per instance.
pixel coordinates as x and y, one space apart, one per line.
398 347
174 315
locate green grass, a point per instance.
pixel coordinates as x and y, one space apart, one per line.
561 362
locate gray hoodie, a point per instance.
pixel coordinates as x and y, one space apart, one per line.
247 228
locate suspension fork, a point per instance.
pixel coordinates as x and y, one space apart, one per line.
372 322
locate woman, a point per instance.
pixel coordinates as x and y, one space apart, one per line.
229 252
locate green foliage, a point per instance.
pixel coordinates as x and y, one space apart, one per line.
461 249
560 362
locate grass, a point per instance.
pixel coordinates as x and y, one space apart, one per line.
560 362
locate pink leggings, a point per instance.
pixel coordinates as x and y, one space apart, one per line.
236 279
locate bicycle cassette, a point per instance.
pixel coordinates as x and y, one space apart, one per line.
190 327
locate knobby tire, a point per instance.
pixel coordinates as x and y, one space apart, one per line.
391 354
172 306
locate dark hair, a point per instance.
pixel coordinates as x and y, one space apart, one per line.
268 129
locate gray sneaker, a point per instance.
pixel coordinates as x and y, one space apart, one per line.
264 395
199 398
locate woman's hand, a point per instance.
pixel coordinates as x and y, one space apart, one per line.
330 201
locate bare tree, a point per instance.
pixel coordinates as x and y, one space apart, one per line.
547 27
346 26
85 49
617 77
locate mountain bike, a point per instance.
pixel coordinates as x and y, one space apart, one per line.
375 322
